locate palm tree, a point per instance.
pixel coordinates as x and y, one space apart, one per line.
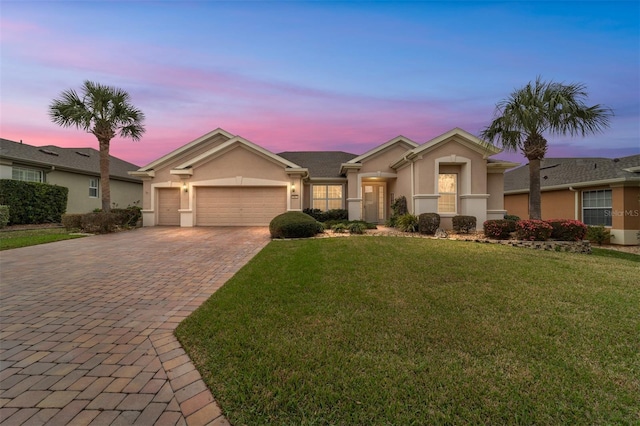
539 108
104 111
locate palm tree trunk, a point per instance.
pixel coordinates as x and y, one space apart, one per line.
104 175
535 204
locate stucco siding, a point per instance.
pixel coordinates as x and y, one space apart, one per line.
123 193
382 160
517 204
558 205
239 162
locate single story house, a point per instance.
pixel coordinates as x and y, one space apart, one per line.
221 179
596 191
75 168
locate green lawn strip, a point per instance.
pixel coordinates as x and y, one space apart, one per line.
383 330
32 237
615 254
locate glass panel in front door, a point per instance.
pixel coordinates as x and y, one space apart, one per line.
370 203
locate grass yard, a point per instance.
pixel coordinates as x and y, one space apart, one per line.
32 237
404 331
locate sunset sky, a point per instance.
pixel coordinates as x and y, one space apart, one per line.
315 75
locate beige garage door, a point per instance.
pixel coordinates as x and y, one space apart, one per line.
239 206
168 205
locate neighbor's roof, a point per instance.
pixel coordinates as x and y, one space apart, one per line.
80 160
321 164
564 172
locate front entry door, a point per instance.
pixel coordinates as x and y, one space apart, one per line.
373 195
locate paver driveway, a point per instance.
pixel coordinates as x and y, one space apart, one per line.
86 325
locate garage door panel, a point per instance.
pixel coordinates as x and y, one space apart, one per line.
239 206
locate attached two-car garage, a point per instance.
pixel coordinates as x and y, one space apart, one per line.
238 206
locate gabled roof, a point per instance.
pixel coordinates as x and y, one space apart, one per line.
380 148
185 148
566 172
227 146
463 137
321 164
79 160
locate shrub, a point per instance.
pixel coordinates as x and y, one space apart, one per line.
339 228
329 215
356 228
294 225
567 229
4 216
129 217
72 222
512 217
99 223
407 223
428 223
598 234
399 206
464 224
33 202
533 230
499 229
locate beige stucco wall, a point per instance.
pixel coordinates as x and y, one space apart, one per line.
123 194
558 205
495 188
381 161
426 174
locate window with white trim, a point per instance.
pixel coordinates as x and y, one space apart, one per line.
93 187
326 197
596 207
448 191
27 175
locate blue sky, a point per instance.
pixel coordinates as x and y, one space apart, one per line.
316 75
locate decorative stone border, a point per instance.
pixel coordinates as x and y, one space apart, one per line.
564 246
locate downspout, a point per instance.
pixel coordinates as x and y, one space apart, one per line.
575 203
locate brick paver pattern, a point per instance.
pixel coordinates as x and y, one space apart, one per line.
86 325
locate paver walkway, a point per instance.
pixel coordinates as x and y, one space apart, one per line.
86 325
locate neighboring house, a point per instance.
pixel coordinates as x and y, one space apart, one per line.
221 179
75 168
597 191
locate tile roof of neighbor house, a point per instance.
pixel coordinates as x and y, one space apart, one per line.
558 172
321 164
81 160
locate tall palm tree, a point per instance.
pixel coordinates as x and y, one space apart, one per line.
103 111
540 108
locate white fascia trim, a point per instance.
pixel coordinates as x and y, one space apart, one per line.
142 175
183 173
185 148
237 140
578 185
382 147
501 167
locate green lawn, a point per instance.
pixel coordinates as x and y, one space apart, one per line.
32 237
402 331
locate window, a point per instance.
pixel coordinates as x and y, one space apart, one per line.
327 197
93 188
448 190
596 207
27 175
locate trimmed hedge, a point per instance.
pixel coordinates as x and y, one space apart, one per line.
329 215
428 223
567 229
294 225
464 224
102 223
4 216
512 217
33 202
533 230
499 229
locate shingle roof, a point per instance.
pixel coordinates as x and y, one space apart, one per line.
83 160
556 172
321 164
